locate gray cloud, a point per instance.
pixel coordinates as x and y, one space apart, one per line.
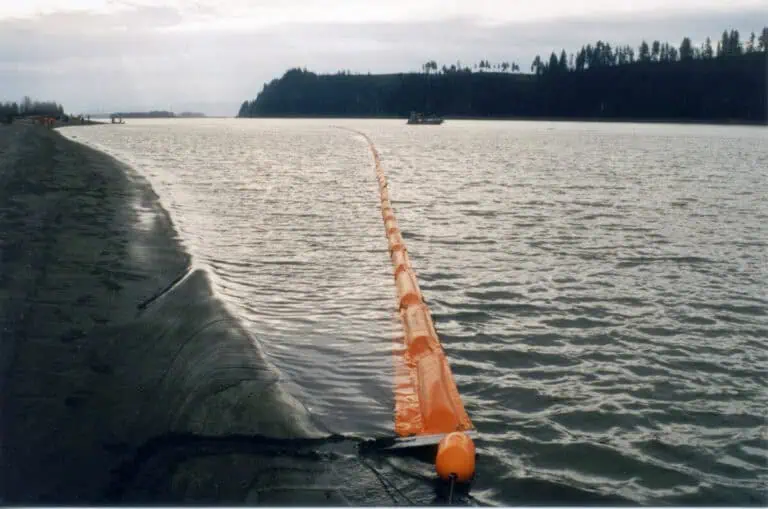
145 57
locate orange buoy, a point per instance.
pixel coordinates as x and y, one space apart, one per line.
456 457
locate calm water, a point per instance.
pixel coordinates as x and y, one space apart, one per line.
600 289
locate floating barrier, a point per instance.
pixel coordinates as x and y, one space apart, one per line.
427 402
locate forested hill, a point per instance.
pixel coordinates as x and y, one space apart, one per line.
658 82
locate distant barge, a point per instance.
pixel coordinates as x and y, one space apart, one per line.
420 119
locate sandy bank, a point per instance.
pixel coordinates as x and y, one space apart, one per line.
108 339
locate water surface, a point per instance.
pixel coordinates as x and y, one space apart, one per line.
600 289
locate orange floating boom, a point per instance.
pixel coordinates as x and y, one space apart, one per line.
427 401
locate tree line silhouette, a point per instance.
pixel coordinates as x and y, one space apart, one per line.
658 81
28 107
602 54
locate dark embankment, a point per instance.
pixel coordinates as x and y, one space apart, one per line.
729 89
111 342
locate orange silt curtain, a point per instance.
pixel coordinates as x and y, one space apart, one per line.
426 398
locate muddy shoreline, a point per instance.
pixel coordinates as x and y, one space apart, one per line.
110 336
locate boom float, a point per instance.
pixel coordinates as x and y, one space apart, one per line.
427 402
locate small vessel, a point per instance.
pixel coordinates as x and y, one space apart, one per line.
420 119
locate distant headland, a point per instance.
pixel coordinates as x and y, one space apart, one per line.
716 83
158 114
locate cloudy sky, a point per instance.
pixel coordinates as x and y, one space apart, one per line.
210 55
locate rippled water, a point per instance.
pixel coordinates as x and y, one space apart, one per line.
600 289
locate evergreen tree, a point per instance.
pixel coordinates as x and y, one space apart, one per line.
553 63
644 54
734 44
707 51
723 48
686 49
655 50
537 67
672 54
580 59
751 43
763 42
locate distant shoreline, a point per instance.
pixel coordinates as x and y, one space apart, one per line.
107 118
734 122
618 120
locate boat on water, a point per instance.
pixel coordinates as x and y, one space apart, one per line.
420 119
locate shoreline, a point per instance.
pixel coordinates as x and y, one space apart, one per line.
617 120
734 122
110 337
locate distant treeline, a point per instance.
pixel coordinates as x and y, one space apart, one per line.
28 107
658 82
146 114
159 114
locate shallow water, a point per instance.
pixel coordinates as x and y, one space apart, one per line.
600 289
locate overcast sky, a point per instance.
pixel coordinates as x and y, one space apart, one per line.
210 55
